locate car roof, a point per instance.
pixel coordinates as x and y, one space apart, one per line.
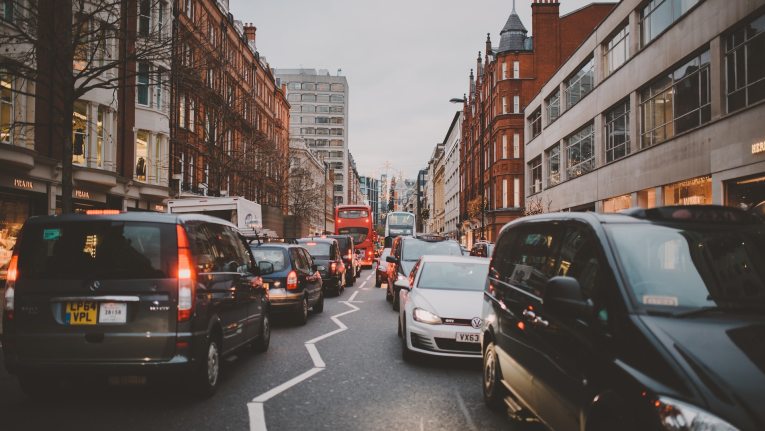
275 245
454 259
324 240
142 216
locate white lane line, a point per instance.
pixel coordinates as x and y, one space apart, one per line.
465 412
255 408
353 296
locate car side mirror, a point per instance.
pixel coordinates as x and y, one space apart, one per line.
266 268
388 241
402 285
314 268
563 296
391 259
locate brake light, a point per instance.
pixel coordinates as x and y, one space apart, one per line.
332 267
292 281
186 279
350 255
10 286
102 212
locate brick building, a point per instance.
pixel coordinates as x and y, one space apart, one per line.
507 77
231 120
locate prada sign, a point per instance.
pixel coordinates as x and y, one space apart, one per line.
758 147
21 183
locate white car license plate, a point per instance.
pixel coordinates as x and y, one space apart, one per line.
462 337
112 312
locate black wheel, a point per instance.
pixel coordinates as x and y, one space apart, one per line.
260 345
352 281
399 326
388 295
406 354
319 306
378 282
301 314
206 376
396 301
493 391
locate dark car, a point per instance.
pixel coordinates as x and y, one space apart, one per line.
326 255
405 252
130 295
647 320
348 251
295 285
381 268
482 249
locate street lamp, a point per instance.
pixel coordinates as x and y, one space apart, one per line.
325 196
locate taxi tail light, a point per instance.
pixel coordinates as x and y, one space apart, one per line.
332 267
292 281
10 286
186 278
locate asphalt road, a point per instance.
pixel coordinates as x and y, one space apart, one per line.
357 381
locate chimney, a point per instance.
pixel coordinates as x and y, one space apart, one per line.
545 25
249 33
488 46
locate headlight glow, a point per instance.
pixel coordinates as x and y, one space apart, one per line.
678 416
425 316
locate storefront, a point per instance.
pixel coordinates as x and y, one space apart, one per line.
617 204
695 191
745 192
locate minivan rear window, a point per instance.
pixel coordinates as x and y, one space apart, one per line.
317 249
97 249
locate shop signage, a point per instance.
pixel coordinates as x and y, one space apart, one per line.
81 194
159 208
693 182
758 147
23 184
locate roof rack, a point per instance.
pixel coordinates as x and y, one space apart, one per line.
693 214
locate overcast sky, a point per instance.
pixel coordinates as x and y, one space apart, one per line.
404 60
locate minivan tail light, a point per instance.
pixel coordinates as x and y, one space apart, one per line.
333 267
10 286
292 281
186 279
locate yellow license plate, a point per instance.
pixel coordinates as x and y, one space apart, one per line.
81 313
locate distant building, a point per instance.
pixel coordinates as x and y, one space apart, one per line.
319 115
507 78
451 164
370 188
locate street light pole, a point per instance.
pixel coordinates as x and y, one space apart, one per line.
325 197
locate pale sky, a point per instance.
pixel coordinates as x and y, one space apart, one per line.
404 60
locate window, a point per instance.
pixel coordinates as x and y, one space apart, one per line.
579 152
338 87
658 15
553 166
323 86
526 258
676 102
142 84
617 50
504 146
504 70
6 10
308 97
158 89
336 109
504 193
100 136
617 131
6 108
80 133
516 69
309 86
516 146
192 113
516 104
553 106
745 65
144 17
293 86
505 108
516 192
535 166
337 98
293 97
190 9
322 98
580 83
141 154
535 120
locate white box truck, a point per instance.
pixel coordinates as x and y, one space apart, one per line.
245 214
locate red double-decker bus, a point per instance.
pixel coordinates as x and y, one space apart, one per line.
356 221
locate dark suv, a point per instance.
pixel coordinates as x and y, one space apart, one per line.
326 254
407 250
295 285
647 320
348 252
130 294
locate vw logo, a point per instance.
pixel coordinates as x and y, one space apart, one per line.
95 285
476 322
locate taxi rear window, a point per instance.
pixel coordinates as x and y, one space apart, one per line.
102 250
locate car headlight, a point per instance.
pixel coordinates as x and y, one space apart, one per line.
678 416
401 277
425 316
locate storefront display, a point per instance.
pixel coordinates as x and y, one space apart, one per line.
745 192
617 204
696 191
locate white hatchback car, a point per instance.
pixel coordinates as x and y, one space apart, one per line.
441 306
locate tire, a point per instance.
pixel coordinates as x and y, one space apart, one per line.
206 377
399 327
260 345
406 354
378 282
396 301
493 391
301 313
388 296
352 281
318 308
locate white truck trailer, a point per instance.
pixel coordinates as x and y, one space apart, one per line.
245 214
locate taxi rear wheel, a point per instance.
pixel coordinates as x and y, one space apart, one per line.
35 386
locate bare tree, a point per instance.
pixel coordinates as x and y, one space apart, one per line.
306 197
69 48
535 205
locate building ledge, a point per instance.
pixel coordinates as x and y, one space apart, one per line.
17 156
95 176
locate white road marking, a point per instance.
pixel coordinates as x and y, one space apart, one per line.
422 423
465 411
255 408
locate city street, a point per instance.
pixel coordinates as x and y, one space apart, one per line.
365 385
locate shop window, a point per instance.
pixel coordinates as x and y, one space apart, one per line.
80 133
696 191
647 198
617 204
745 65
141 154
746 192
617 131
6 108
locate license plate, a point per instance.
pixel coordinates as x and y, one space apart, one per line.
81 313
112 312
462 337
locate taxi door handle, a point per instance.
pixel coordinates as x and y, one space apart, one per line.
534 319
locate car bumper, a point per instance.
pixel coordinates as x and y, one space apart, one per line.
177 365
283 301
440 340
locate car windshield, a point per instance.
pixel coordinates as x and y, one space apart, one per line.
453 275
277 256
352 214
344 243
317 249
103 250
400 220
678 267
359 234
416 248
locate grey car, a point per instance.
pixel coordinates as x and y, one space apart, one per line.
131 295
